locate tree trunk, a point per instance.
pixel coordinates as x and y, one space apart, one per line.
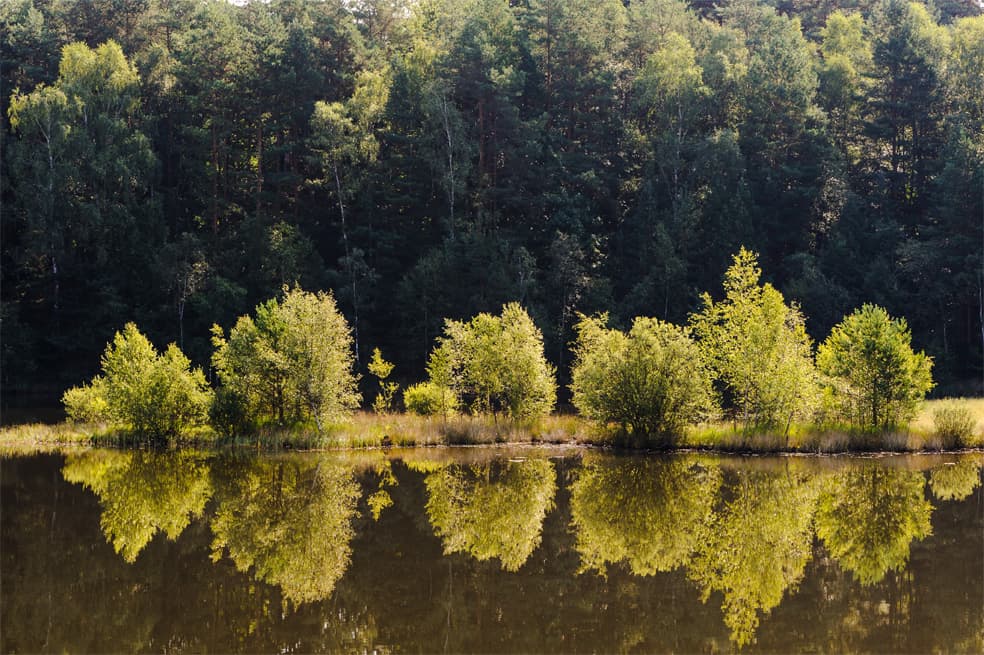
259 164
214 204
447 134
481 138
348 260
181 332
56 290
980 308
980 284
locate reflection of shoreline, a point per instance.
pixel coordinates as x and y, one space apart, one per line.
296 520
741 525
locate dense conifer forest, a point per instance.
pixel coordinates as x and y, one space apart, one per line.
176 162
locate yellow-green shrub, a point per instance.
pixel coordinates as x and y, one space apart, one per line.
869 366
154 394
650 380
86 403
954 425
429 399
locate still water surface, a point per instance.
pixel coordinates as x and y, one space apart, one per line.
490 550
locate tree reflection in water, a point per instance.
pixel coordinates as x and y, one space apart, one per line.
869 516
289 519
955 480
646 512
750 540
142 492
741 531
756 545
491 510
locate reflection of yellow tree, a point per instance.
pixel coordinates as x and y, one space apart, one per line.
291 519
869 517
955 481
142 493
492 510
381 498
756 547
646 512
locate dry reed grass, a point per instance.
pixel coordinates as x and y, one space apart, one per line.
370 430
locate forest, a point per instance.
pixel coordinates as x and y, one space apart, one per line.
174 163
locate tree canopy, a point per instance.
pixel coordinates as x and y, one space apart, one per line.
495 364
758 348
156 395
292 362
873 374
651 380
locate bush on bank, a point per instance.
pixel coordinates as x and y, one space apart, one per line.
651 381
154 394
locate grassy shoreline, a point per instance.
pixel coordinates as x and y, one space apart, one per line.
366 430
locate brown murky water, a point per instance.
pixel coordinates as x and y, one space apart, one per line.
490 550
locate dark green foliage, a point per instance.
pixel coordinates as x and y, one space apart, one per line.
447 157
229 414
84 216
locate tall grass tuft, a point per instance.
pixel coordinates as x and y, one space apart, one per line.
954 425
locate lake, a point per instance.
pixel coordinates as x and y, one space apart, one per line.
521 549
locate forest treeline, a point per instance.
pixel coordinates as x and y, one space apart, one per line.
175 162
